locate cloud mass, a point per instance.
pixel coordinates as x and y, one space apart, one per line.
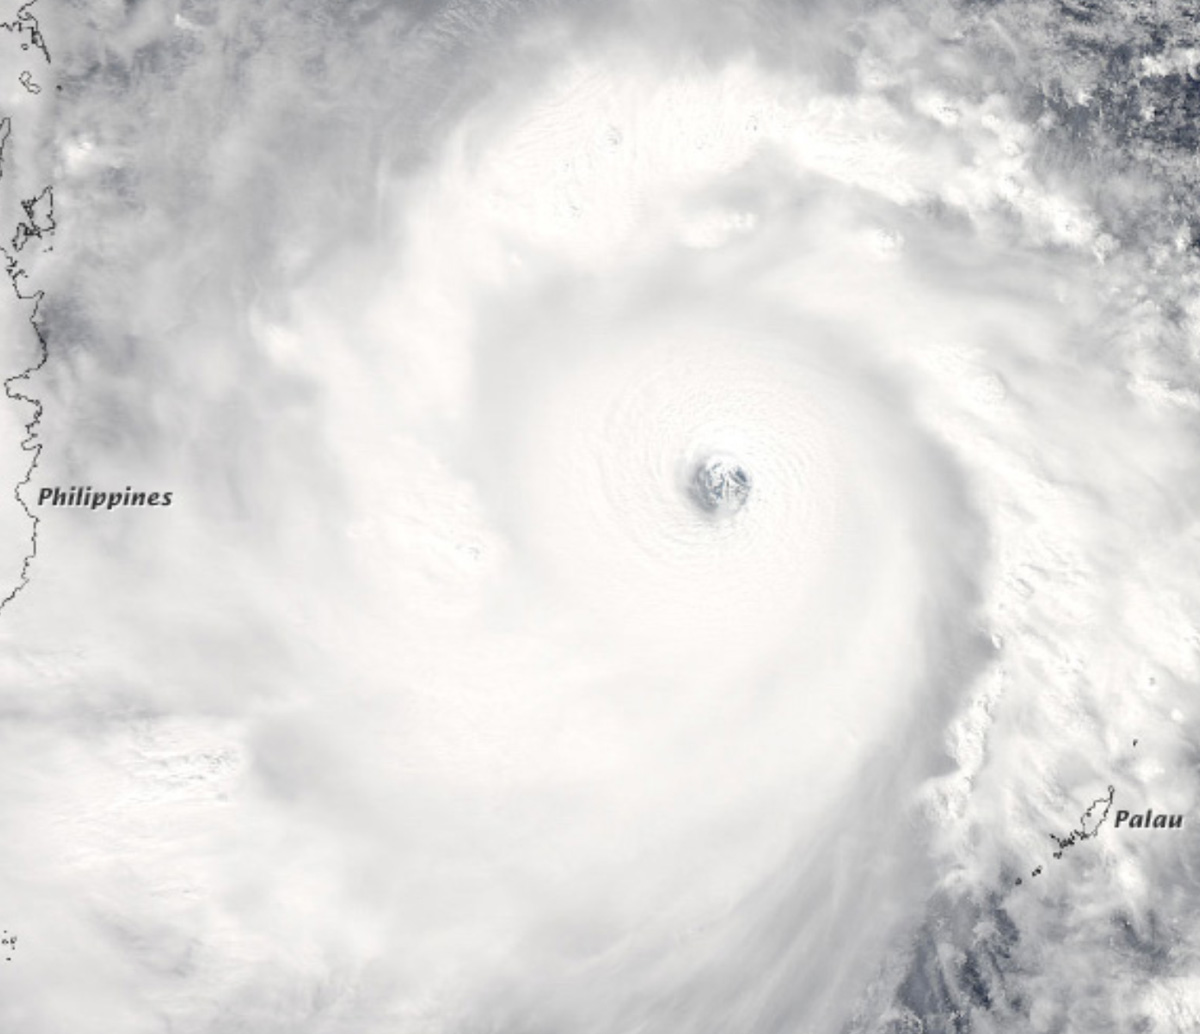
674 514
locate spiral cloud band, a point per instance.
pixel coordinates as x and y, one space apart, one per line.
682 518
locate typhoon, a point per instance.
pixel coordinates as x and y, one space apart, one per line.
683 518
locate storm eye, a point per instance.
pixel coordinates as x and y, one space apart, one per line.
720 486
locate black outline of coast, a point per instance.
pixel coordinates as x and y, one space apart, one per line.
1089 827
38 224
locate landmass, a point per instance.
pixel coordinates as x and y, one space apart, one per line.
34 225
1089 826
